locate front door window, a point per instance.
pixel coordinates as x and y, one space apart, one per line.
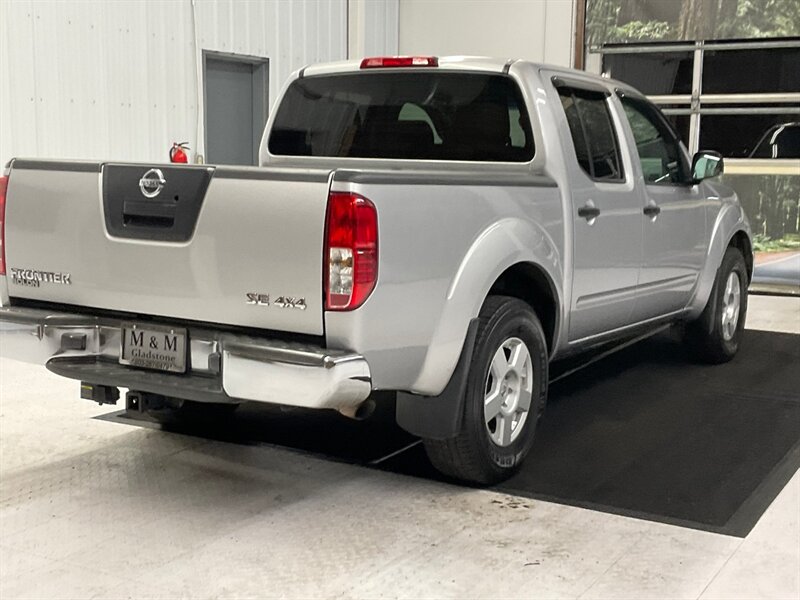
660 153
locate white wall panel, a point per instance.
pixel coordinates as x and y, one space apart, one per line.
119 80
559 29
537 30
373 28
380 34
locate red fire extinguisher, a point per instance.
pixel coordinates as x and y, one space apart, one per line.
177 154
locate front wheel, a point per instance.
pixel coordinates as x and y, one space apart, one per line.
715 336
505 396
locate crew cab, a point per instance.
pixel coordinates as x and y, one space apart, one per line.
438 228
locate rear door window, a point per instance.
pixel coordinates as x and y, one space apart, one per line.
431 115
593 133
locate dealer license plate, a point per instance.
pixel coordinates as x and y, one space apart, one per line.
153 347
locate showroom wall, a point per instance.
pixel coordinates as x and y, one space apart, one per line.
539 30
373 27
119 80
122 80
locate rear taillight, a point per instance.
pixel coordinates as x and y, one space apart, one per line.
351 251
3 188
385 62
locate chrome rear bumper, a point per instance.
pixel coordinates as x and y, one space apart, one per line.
224 367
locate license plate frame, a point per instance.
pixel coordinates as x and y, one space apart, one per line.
154 343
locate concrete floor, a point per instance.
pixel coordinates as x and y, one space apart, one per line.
780 273
91 508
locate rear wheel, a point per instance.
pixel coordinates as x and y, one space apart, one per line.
715 336
505 396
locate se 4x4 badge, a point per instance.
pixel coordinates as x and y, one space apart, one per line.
279 302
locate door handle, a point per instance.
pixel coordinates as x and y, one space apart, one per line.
589 212
652 210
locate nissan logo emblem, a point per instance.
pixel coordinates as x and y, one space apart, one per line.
152 183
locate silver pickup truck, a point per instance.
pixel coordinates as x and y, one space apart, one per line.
438 228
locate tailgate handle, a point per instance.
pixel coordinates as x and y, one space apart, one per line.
148 213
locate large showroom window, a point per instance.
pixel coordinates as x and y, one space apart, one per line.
741 98
726 96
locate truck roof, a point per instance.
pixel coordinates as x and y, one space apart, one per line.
453 63
467 63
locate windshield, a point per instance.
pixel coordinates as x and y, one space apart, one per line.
411 115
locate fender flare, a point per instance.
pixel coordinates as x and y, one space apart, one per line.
730 221
434 406
500 246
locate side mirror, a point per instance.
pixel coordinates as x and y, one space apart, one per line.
706 164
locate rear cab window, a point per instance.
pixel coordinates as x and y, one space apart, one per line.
414 115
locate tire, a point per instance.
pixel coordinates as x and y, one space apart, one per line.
487 451
178 412
715 336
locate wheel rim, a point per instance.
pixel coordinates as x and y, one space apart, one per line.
508 392
731 305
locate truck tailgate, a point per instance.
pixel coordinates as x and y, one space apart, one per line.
211 241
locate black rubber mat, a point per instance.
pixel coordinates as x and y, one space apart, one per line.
646 433
643 433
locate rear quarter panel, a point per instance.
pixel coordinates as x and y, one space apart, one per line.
441 249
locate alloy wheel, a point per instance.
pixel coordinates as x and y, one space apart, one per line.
508 391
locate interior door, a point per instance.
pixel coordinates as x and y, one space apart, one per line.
607 217
674 212
235 109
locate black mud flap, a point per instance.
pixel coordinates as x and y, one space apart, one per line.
439 417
